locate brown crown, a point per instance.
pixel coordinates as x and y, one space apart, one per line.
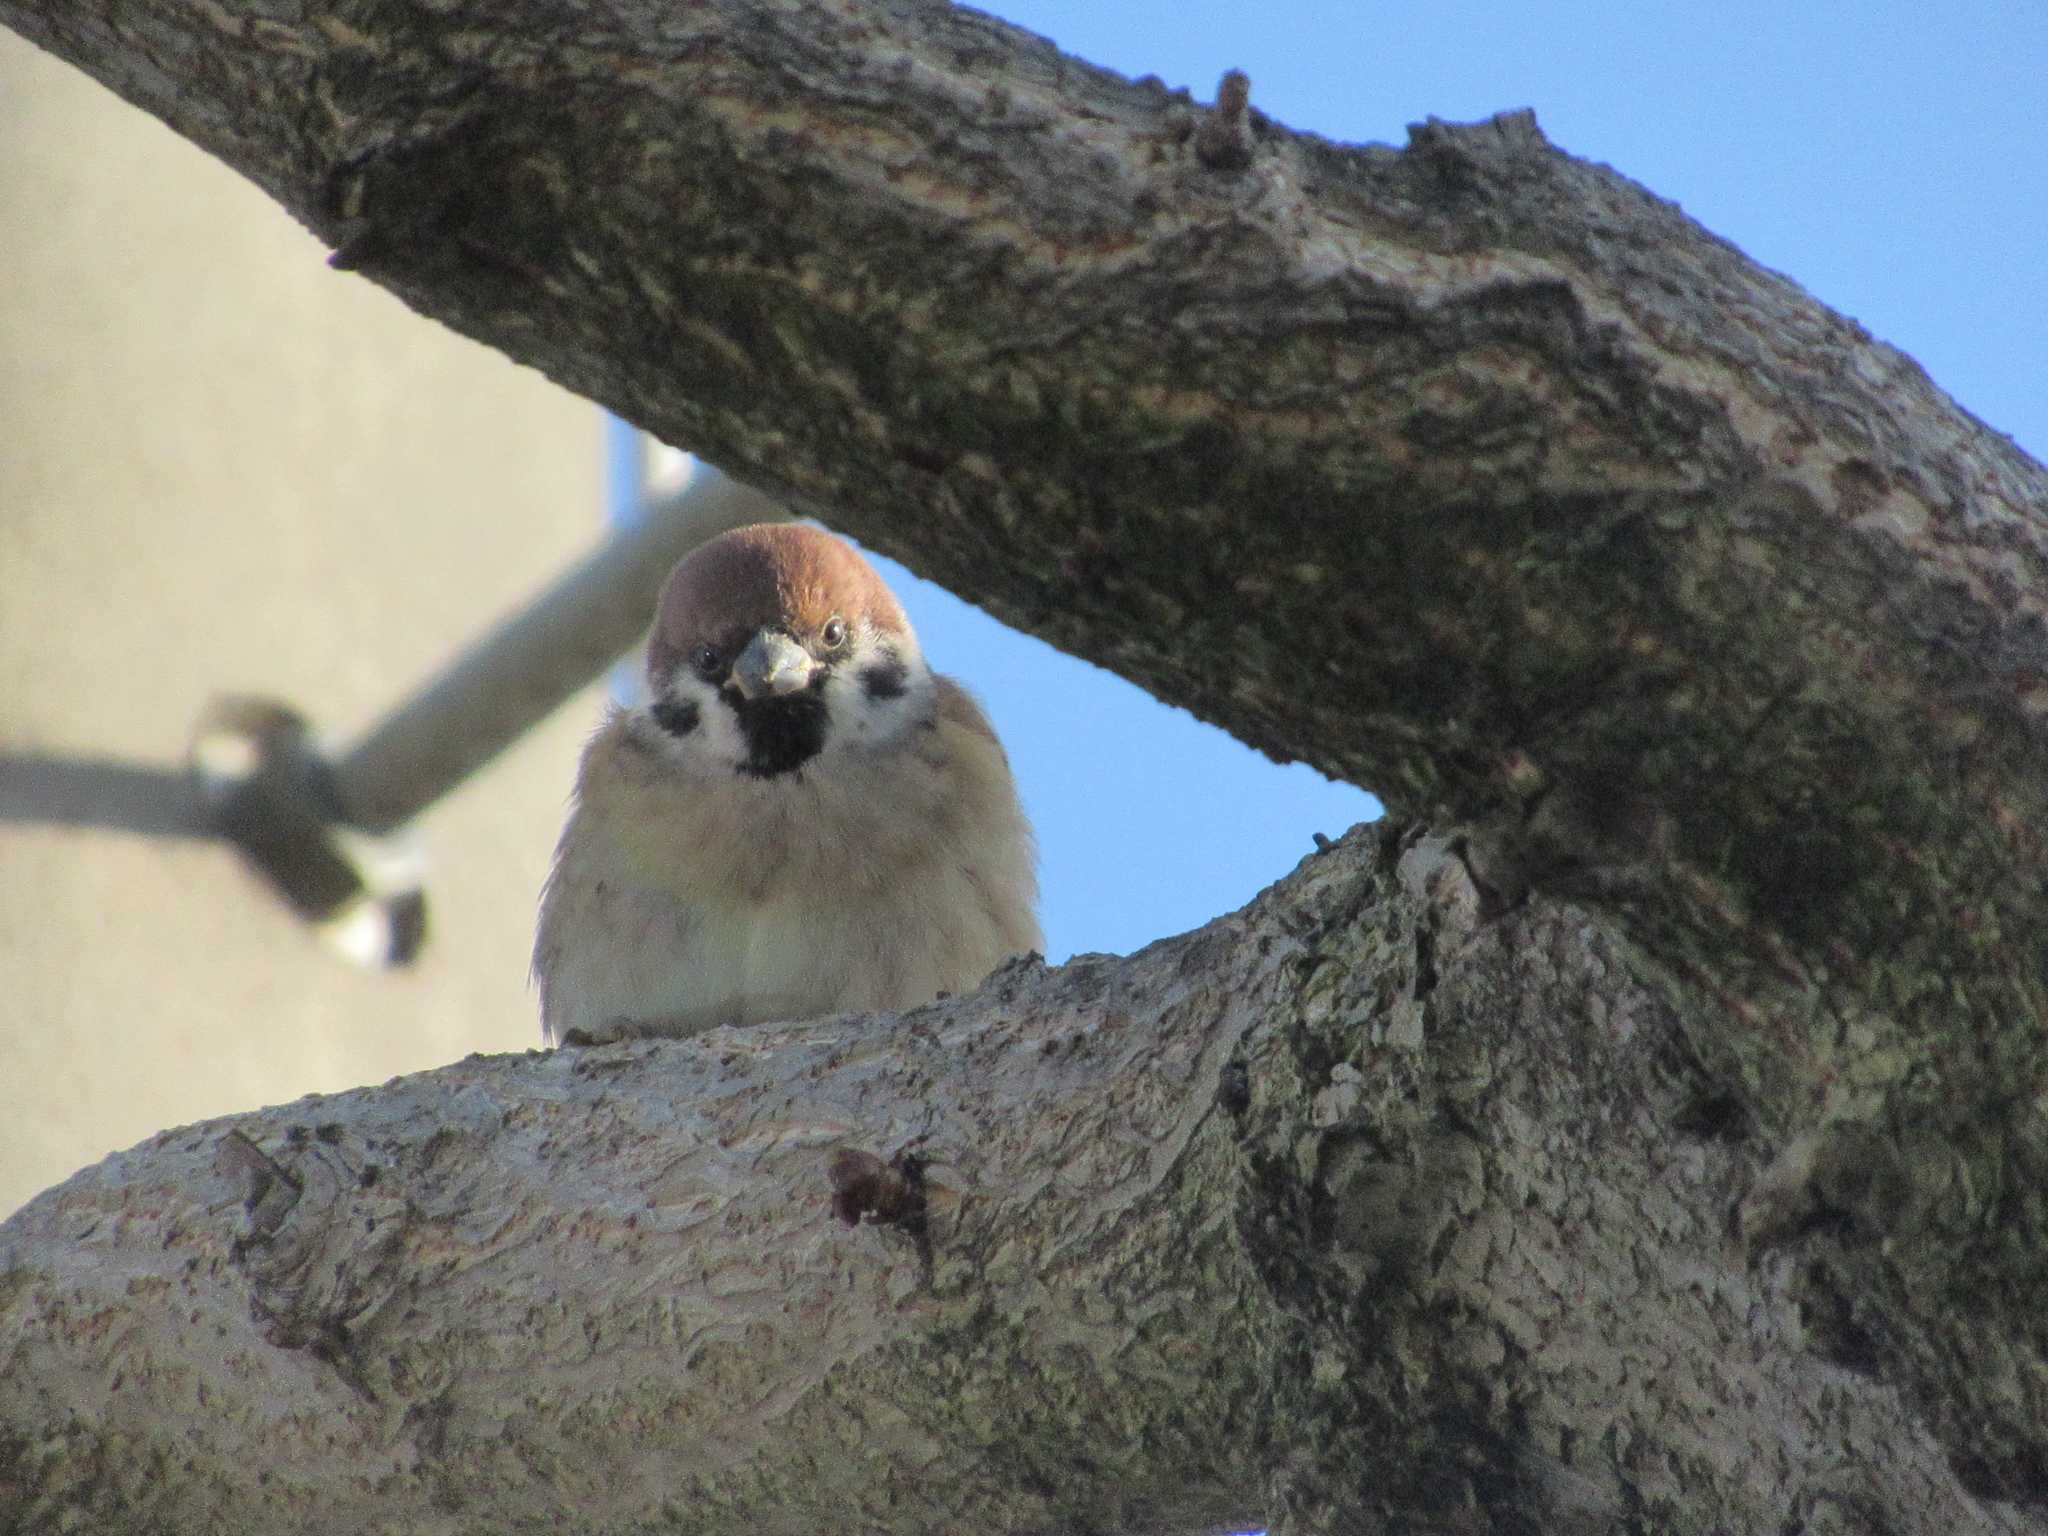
782 574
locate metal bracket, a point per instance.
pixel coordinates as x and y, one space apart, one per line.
326 832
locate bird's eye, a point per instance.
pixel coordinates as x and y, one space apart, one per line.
705 659
834 633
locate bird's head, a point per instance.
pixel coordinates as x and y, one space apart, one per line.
777 643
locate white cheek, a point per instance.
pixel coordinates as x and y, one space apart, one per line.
718 736
859 720
716 741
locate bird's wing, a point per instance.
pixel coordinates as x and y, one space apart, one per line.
1001 854
628 931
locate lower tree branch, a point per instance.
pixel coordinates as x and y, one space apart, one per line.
1360 1209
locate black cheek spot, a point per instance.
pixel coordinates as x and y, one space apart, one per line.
676 716
884 679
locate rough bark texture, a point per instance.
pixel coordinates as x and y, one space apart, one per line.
1469 472
1357 1210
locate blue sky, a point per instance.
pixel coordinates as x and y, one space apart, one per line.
1891 158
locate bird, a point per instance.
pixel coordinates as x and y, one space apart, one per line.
804 819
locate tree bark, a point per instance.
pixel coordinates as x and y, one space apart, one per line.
1469 472
1358 1210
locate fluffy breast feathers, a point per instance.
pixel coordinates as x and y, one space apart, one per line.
877 880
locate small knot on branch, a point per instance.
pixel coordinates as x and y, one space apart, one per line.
892 1192
1224 141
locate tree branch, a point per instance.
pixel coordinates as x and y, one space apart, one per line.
1305 1216
1467 471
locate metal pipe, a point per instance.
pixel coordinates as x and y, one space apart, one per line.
513 677
89 792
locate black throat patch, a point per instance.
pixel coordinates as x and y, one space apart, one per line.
782 734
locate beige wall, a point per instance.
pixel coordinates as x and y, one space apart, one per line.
224 467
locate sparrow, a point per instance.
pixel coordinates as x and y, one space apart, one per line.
804 819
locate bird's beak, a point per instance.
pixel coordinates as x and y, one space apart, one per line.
771 665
